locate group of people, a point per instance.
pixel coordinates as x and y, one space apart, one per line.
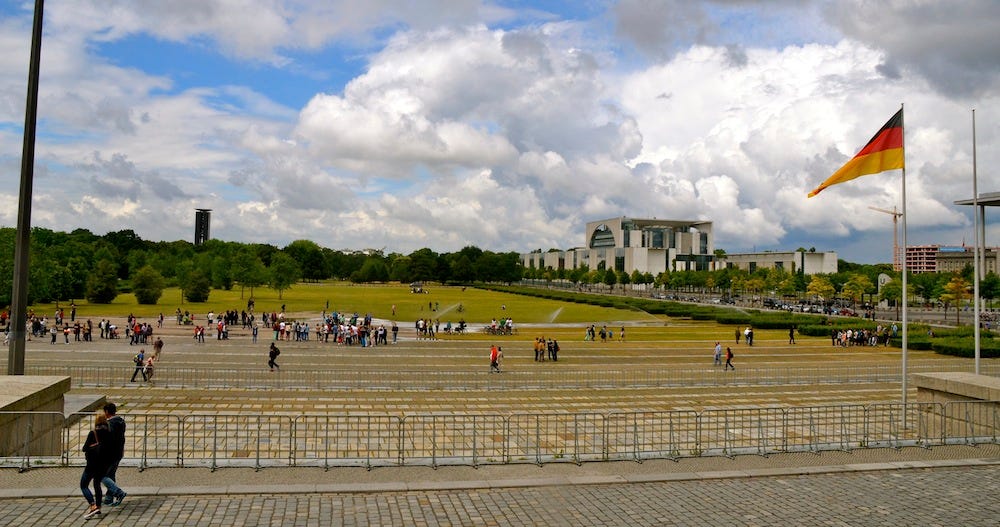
144 364
503 326
542 346
718 357
103 449
496 355
604 333
747 335
862 337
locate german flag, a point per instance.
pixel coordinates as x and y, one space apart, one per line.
883 152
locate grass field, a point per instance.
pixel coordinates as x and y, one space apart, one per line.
305 299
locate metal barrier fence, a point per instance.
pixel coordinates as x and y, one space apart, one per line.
432 379
264 440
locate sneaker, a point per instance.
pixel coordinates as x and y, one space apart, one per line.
119 499
108 498
93 511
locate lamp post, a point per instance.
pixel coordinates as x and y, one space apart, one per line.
19 300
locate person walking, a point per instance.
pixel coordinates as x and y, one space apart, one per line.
729 360
140 365
97 464
157 348
791 335
494 359
718 353
272 355
116 451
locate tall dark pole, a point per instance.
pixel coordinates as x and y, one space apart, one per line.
15 359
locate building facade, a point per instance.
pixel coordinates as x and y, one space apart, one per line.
954 260
202 225
922 258
804 262
634 244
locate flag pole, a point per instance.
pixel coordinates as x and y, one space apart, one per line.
975 254
905 295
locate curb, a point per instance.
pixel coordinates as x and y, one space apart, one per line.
485 484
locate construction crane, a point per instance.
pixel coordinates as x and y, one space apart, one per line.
896 260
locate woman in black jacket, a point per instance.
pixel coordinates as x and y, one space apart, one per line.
96 449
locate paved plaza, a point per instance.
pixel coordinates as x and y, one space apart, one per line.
910 486
943 485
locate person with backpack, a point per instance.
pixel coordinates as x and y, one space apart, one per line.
115 453
140 365
272 355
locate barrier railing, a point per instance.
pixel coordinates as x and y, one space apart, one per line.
529 378
263 440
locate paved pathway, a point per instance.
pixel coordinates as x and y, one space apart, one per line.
913 487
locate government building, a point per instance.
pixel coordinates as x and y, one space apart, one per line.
634 244
654 246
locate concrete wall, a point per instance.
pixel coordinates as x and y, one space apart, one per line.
968 420
40 432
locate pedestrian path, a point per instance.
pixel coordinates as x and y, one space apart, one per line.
953 485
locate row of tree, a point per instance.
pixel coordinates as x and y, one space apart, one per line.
80 264
853 282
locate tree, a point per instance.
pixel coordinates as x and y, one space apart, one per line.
925 285
400 270
102 287
310 258
248 270
820 288
198 286
148 285
182 275
374 270
424 265
283 272
610 278
892 292
624 279
856 287
222 273
989 287
956 291
462 269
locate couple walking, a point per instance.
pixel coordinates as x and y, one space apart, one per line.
103 449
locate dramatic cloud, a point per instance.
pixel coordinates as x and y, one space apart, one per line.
442 124
952 44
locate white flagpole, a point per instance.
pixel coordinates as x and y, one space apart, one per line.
905 295
975 254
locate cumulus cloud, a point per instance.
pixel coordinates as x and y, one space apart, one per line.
952 44
263 30
505 129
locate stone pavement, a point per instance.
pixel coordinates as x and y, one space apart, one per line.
950 485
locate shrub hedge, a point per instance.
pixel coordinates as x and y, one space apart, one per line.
957 342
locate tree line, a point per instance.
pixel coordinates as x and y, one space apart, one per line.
853 282
80 264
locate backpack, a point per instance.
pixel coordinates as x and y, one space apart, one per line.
137 360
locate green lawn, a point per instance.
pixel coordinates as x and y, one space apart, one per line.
439 302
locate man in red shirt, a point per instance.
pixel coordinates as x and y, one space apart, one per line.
494 359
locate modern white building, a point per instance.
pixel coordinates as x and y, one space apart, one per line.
633 244
804 262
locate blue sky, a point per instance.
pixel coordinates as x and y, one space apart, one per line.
505 125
